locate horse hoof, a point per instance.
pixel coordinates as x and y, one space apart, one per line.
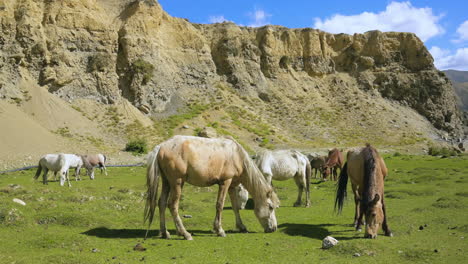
166 235
222 234
296 204
188 237
359 229
389 234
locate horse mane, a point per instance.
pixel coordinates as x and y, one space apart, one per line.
370 165
253 179
86 163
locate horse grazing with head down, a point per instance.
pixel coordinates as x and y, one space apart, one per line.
318 164
58 163
93 160
333 162
203 162
367 172
282 165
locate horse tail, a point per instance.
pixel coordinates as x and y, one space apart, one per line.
105 158
308 176
341 188
152 182
39 170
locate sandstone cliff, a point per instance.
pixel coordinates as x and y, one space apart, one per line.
305 84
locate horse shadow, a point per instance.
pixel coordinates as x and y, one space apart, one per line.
104 232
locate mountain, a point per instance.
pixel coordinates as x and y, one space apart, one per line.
460 84
96 73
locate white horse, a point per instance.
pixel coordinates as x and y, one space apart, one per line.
280 165
242 196
74 161
55 163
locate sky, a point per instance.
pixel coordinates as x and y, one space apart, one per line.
441 24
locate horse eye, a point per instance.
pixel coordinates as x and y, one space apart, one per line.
374 214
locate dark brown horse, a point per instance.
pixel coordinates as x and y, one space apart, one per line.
367 172
334 162
318 164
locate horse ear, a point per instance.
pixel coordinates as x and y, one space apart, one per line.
376 199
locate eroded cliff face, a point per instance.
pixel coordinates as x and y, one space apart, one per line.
108 50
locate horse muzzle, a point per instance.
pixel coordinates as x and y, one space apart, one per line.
270 229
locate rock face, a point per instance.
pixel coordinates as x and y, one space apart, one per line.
107 50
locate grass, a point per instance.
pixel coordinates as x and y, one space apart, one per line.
165 127
64 225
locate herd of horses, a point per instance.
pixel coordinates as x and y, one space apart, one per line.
207 161
62 163
223 161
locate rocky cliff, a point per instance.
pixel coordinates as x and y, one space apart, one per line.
300 82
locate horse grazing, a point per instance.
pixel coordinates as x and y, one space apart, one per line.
282 165
74 161
367 171
334 162
57 163
318 163
203 162
91 161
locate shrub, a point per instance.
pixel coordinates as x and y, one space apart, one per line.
442 151
144 68
99 62
137 146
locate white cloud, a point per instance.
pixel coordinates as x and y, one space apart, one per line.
445 59
398 16
462 32
259 18
217 19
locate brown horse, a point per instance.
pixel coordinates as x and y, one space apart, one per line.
334 162
203 162
318 164
367 172
93 160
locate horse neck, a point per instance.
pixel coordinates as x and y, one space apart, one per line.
372 177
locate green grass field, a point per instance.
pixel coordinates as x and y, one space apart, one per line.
64 225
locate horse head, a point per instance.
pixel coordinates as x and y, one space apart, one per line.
265 211
374 217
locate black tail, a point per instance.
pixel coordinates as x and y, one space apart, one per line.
341 188
38 172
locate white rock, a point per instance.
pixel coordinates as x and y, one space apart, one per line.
16 200
329 242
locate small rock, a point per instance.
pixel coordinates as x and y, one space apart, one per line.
356 255
187 216
329 242
185 126
139 247
94 250
14 186
400 252
16 200
421 227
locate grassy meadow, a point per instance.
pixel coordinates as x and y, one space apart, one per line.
100 221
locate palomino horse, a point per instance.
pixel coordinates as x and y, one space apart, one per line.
203 162
282 165
367 172
57 163
93 160
334 162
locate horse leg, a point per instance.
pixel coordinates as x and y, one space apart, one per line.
162 203
357 202
300 186
105 169
223 188
385 227
44 176
236 208
68 178
175 193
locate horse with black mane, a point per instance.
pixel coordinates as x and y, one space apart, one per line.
367 171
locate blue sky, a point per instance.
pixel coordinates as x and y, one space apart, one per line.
442 25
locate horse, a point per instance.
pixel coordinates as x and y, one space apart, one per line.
334 161
318 164
75 161
282 165
56 163
367 171
204 162
93 160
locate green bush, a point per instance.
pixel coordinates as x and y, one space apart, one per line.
144 68
137 146
442 151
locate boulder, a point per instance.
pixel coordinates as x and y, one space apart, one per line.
329 242
208 132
